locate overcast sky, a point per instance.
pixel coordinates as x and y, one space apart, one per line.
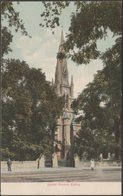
40 50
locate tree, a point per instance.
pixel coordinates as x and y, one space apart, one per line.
89 23
12 18
30 110
30 105
15 106
100 102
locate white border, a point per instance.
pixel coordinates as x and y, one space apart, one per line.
62 188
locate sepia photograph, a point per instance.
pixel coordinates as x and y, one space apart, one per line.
61 103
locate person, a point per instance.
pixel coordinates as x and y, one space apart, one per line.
109 156
101 157
9 164
92 164
38 163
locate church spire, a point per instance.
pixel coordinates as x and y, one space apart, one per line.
61 73
61 48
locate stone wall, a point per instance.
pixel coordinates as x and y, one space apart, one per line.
20 164
34 164
101 164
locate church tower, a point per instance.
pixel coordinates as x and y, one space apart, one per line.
63 88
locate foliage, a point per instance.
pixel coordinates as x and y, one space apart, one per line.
60 55
89 23
30 110
51 13
100 102
11 17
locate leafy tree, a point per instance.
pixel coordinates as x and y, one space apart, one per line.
100 102
30 110
11 17
30 106
90 22
16 100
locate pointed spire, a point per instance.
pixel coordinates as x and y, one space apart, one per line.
62 36
61 49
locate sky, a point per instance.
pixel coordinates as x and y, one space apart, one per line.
40 51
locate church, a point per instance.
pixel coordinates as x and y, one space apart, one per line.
64 131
